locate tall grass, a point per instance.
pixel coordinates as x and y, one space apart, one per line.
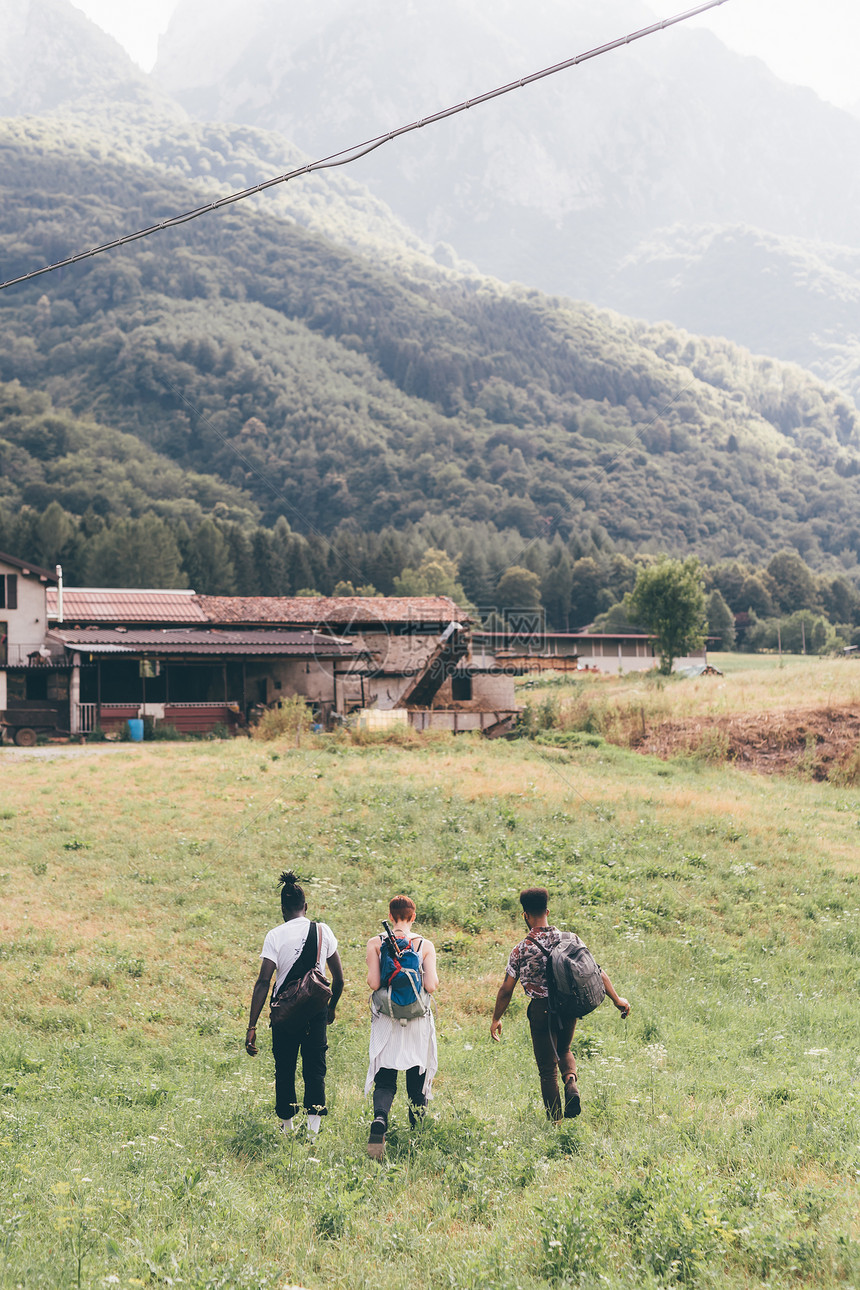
624 708
718 1142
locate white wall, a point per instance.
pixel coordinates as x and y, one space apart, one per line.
27 623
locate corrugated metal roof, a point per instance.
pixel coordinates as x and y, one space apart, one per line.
122 605
340 610
215 643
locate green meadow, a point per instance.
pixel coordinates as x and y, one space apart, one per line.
719 1143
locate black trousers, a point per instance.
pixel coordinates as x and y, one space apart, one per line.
552 1053
310 1038
385 1086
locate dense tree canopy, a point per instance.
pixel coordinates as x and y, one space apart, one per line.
294 377
244 405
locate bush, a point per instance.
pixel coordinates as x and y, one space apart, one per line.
160 730
676 1230
291 718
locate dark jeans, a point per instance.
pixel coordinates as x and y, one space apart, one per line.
385 1086
551 1059
309 1037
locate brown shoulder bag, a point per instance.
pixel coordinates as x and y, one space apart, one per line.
305 990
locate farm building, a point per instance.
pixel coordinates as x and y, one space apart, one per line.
200 661
543 651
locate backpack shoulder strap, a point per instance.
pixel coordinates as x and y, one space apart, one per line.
535 940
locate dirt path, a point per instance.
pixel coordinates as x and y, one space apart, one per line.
815 740
48 751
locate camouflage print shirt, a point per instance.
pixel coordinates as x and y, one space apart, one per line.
528 964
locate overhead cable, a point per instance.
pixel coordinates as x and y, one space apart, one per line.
348 155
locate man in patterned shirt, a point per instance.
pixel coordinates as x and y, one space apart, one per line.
551 1042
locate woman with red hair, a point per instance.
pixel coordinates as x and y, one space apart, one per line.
398 1043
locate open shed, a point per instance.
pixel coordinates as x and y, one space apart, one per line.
197 678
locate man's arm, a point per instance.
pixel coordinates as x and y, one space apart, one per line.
503 998
621 1004
258 998
335 968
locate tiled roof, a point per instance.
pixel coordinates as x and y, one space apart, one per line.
217 643
115 605
340 610
121 605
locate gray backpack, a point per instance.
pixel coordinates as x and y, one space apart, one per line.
574 980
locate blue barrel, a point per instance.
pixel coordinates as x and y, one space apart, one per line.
135 730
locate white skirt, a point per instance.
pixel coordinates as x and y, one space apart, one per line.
399 1048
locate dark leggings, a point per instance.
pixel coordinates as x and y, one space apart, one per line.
385 1086
311 1040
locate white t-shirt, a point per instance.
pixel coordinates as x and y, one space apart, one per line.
284 944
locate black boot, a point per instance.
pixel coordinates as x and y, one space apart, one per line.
376 1141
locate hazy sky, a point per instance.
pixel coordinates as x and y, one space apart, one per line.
808 42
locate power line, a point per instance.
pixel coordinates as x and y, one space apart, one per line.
347 155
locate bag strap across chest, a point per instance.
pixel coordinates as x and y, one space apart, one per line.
307 957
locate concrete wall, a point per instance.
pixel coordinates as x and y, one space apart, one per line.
607 663
312 678
455 720
489 690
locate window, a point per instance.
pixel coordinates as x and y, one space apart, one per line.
8 591
461 687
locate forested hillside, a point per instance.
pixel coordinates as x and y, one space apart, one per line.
781 295
328 390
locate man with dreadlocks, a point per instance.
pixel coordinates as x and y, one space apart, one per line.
289 951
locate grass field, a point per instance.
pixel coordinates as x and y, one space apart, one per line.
800 713
719 1141
751 683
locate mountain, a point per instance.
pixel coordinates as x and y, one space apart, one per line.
304 355
52 58
317 384
778 295
591 183
674 127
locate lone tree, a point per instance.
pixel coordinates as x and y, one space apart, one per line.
669 598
